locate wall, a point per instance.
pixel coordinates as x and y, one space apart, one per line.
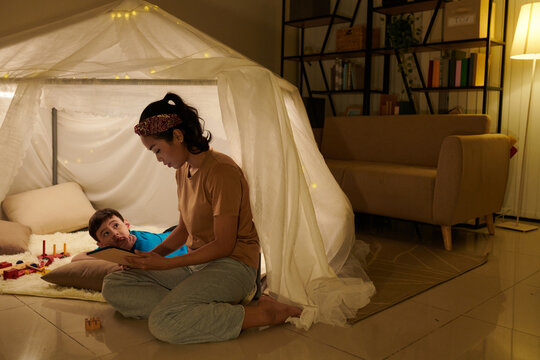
252 28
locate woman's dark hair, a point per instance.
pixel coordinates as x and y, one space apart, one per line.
195 137
99 217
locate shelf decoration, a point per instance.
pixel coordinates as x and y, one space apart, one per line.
468 20
354 38
402 34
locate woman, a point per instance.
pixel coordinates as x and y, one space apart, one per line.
195 297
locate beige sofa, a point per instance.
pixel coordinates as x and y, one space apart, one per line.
437 169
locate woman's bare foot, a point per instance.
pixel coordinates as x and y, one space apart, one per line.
268 311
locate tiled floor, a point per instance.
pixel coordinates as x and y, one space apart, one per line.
492 312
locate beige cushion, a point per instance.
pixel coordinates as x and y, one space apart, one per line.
393 190
82 274
59 208
13 237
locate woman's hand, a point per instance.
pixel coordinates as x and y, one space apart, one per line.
149 261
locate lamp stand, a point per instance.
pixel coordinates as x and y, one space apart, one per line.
511 224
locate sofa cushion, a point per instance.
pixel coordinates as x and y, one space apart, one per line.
402 139
393 190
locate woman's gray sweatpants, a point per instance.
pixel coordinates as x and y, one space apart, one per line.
192 304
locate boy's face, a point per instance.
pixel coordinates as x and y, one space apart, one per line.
115 232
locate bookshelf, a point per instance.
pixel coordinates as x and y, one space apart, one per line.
485 46
325 57
379 77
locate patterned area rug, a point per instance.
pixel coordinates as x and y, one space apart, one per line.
406 259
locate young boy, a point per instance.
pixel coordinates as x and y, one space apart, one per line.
109 228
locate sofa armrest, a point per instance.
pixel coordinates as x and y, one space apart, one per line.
472 173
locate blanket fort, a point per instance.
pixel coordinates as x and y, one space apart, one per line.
100 68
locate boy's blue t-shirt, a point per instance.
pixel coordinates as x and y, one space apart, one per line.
146 241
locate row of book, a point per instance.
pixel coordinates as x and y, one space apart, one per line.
347 75
457 70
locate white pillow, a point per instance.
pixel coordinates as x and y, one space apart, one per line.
59 208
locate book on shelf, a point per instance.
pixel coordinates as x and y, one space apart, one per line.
452 73
445 72
464 72
472 69
479 69
436 73
347 75
457 81
337 75
430 74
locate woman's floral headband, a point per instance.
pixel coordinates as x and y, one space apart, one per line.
157 124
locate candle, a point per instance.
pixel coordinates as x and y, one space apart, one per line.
64 248
54 250
44 248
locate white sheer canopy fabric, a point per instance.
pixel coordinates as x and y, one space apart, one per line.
100 69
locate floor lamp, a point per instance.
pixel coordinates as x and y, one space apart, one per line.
526 46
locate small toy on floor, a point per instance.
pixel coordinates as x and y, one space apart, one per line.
9 271
12 273
22 268
54 255
92 323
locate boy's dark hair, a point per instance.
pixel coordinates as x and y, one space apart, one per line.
98 218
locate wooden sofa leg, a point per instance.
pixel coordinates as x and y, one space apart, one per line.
447 236
490 225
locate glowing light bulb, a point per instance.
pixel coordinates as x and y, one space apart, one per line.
314 185
126 15
133 13
206 55
126 77
146 8
79 160
152 71
113 15
6 75
119 15
117 77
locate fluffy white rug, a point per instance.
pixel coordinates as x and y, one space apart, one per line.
32 284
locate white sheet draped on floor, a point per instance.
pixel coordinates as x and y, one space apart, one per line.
303 218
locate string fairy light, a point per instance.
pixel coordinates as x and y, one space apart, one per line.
125 14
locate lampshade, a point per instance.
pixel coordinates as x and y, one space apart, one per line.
526 43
